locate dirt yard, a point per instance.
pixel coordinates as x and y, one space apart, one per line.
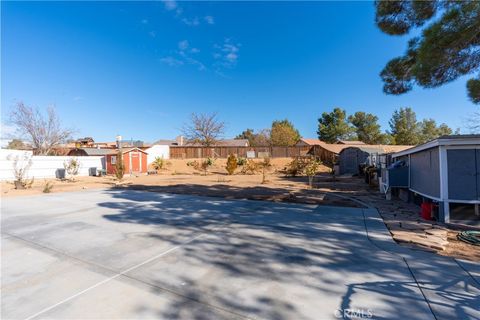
180 178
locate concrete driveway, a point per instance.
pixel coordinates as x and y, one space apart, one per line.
130 254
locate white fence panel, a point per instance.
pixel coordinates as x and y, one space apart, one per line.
46 166
162 151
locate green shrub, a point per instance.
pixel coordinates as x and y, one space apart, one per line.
159 163
231 164
241 161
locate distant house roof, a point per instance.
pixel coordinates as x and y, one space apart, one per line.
89 152
166 142
316 142
233 143
223 143
350 142
310 142
458 139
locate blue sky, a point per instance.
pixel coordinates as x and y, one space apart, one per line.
140 69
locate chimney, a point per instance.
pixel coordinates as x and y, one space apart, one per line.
180 140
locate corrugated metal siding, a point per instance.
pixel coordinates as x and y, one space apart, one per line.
425 172
463 174
350 159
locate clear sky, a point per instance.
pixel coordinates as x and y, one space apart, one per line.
140 69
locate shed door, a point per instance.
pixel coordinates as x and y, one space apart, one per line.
350 161
463 180
135 161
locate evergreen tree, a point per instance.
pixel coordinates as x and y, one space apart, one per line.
404 127
366 127
446 49
333 126
430 130
247 134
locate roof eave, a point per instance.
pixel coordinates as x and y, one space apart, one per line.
436 143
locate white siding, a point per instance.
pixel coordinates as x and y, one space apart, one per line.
44 166
162 151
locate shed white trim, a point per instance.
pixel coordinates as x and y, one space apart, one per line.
467 141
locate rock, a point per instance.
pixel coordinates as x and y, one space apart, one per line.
437 232
409 225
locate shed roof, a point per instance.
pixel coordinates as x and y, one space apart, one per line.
132 149
350 142
380 148
311 142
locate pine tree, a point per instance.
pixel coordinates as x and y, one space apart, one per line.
333 126
446 49
366 127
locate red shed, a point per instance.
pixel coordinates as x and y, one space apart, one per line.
134 161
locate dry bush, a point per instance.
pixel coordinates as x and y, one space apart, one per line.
72 166
265 166
250 167
201 166
47 187
231 164
296 167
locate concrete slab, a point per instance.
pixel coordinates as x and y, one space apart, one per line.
132 254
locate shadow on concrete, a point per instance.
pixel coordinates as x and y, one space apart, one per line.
277 194
274 260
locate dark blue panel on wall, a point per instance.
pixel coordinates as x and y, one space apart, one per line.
462 174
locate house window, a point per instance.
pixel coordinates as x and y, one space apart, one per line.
114 160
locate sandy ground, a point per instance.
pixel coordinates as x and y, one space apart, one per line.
180 178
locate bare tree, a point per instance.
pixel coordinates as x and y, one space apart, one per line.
473 123
204 129
45 133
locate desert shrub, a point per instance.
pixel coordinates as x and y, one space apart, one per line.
201 166
311 169
265 166
21 165
250 167
241 161
47 187
296 167
119 166
232 164
72 166
159 163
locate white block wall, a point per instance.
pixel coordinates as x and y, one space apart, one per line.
44 166
161 151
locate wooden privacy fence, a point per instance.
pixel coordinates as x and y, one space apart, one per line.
180 152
